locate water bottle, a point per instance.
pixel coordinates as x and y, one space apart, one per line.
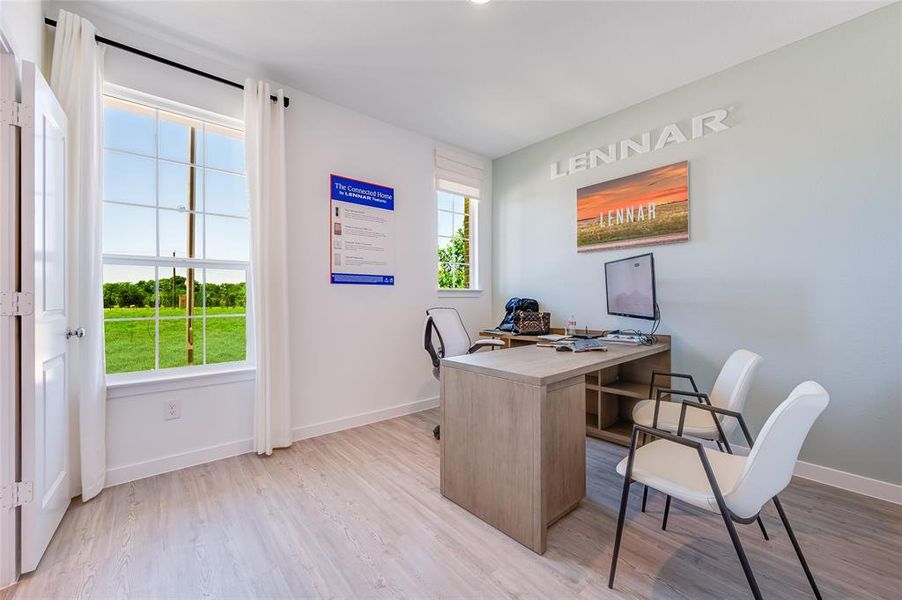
571 325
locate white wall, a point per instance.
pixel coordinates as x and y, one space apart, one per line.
215 423
23 25
357 350
795 233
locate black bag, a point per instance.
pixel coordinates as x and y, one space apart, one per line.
511 308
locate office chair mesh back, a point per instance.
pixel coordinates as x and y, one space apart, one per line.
770 464
454 338
731 389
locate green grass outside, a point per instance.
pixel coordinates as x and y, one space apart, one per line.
135 313
130 344
669 219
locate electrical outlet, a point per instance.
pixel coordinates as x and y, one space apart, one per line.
172 409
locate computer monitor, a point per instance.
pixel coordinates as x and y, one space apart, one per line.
630 287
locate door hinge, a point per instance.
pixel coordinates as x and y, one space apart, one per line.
16 494
16 114
16 304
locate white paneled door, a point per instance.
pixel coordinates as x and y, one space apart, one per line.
45 382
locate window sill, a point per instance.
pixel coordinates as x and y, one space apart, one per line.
459 293
131 384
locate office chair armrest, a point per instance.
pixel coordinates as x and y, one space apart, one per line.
651 384
485 343
698 395
434 355
719 411
664 435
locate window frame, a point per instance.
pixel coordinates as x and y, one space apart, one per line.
472 199
189 374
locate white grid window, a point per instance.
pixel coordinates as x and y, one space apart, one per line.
456 218
458 181
175 236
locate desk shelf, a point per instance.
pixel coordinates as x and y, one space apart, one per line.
618 433
612 393
629 389
515 341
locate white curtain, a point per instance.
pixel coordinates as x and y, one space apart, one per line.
77 80
264 122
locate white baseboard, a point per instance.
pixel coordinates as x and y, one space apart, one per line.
174 462
859 484
874 488
324 427
833 477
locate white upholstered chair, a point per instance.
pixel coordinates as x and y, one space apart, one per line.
737 487
730 391
445 324
731 388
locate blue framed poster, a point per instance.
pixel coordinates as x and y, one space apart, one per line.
362 249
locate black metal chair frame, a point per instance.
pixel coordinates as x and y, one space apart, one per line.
722 443
696 393
727 516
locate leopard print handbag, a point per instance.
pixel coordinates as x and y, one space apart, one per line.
531 322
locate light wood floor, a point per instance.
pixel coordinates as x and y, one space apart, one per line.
359 514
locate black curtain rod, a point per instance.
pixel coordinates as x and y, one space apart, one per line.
165 61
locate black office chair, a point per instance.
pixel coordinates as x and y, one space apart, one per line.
453 340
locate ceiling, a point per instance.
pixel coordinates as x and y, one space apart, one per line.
489 78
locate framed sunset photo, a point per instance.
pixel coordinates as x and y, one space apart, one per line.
643 209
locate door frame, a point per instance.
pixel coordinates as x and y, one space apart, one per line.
10 358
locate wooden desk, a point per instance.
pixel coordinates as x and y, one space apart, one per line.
611 392
513 428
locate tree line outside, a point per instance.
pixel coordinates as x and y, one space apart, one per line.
133 337
454 263
140 294
454 257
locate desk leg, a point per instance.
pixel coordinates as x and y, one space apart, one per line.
513 454
563 448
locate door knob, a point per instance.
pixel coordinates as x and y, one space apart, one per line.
79 333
